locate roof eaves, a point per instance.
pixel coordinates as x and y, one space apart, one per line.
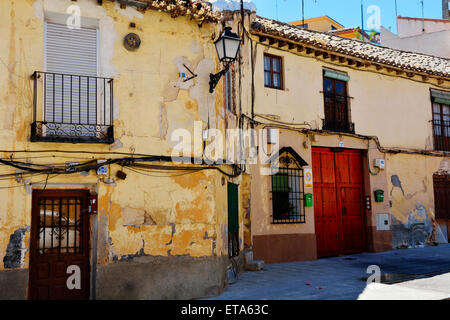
410 61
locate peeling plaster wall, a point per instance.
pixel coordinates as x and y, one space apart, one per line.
412 196
143 216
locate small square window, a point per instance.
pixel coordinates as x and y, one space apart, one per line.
273 72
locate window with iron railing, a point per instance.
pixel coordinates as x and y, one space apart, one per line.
72 108
288 190
337 115
441 126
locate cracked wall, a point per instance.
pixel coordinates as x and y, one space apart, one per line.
145 215
412 199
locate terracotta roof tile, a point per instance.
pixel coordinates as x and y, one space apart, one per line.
198 10
400 59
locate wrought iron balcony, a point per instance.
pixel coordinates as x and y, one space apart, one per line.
338 126
72 108
441 130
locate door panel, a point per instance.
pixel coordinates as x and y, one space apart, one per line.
338 194
326 213
59 239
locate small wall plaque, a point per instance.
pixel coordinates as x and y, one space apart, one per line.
131 42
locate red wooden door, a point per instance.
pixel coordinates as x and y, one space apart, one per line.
338 195
59 255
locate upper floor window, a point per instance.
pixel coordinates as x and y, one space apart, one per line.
229 89
441 119
72 104
273 72
337 114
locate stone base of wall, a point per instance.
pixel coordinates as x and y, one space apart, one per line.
158 278
13 284
277 248
379 241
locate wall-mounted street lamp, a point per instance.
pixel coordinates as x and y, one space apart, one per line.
227 47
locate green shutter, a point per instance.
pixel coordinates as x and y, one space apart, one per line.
280 183
336 75
233 208
440 96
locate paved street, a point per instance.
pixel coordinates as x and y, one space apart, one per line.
343 277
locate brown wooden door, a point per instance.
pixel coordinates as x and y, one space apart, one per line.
59 255
338 195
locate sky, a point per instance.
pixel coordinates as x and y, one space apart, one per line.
347 12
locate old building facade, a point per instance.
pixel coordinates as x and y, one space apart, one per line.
352 141
369 123
93 93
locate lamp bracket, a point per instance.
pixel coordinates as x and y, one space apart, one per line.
214 78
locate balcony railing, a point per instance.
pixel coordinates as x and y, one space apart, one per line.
72 108
441 130
338 126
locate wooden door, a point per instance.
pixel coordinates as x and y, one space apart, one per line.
59 250
338 205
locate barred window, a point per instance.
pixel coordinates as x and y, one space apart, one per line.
441 126
288 190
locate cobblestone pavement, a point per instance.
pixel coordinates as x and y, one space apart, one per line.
341 278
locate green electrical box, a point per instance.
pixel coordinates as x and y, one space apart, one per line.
308 200
379 195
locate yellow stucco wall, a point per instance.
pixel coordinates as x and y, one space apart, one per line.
183 214
378 105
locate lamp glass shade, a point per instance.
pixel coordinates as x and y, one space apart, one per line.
228 45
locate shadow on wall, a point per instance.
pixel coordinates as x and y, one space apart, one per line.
416 232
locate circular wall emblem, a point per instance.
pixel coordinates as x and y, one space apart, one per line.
132 41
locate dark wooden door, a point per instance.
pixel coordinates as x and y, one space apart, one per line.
442 200
338 195
233 220
59 255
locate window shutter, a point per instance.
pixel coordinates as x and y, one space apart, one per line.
336 75
233 208
72 51
440 96
70 99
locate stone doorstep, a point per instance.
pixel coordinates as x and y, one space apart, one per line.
250 264
255 265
